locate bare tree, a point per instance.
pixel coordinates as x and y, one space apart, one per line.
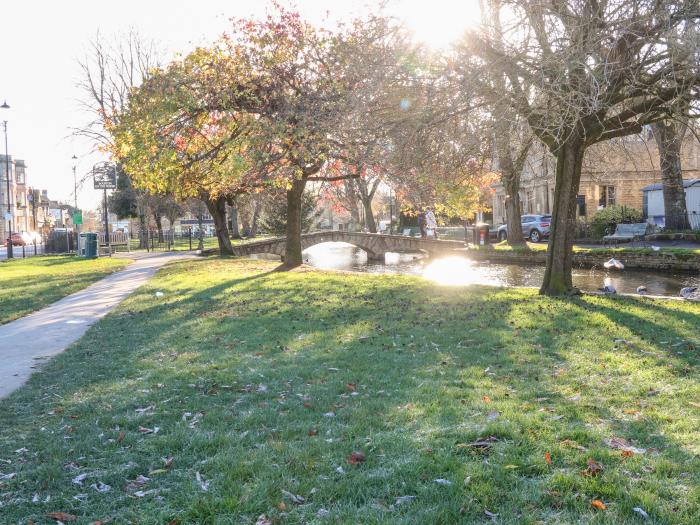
110 70
582 72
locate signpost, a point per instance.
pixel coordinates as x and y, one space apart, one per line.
105 178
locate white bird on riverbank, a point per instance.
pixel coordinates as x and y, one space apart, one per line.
613 263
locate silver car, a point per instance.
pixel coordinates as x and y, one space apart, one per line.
534 227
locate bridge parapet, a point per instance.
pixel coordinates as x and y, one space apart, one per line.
374 244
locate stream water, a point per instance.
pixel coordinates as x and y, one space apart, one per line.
462 271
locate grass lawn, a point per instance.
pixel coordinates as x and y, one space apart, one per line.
30 284
542 247
312 397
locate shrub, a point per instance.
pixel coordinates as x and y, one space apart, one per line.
606 220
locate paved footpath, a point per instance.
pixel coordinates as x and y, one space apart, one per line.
48 332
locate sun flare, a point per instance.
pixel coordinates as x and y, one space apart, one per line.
452 271
440 22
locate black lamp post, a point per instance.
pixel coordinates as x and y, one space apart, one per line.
75 193
5 105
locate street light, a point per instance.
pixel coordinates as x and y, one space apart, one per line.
5 105
75 193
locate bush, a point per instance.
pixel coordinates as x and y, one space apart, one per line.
606 220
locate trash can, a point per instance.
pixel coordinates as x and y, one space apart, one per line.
481 234
90 249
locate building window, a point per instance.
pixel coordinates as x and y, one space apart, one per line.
607 196
581 205
19 176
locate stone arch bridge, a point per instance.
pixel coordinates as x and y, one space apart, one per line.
374 244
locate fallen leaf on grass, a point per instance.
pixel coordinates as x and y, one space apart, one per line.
121 437
78 480
356 457
481 444
262 520
598 504
351 387
296 499
622 444
404 499
313 432
486 399
101 487
441 481
144 493
626 453
62 516
548 458
641 512
593 468
569 443
145 430
202 482
157 471
8 476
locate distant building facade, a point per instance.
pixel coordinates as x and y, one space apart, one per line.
614 172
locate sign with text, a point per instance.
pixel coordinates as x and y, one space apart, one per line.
78 217
105 176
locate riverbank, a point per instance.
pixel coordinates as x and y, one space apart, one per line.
305 396
665 259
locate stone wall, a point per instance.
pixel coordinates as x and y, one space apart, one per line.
662 261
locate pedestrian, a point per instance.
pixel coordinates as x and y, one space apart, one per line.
431 223
421 224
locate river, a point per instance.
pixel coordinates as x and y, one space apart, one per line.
461 271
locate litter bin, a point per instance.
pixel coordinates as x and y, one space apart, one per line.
481 234
88 245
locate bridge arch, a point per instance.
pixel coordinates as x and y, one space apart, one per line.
374 244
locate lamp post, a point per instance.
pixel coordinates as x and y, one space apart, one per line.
9 202
75 194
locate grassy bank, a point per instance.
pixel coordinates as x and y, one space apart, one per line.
312 397
542 247
30 284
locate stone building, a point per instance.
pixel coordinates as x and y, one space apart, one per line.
19 212
614 172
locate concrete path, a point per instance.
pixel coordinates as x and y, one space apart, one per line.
48 332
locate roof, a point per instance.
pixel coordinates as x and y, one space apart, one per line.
687 183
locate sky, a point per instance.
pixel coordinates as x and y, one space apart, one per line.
42 42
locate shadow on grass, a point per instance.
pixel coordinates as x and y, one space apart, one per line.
411 373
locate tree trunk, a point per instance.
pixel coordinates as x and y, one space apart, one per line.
292 257
511 183
200 232
254 220
235 230
370 223
669 139
217 210
557 277
159 225
143 237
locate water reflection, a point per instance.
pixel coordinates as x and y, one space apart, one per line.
458 271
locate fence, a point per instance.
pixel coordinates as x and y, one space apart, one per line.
169 240
36 247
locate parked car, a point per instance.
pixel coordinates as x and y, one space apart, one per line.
20 239
534 228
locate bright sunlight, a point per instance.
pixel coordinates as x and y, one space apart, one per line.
440 22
